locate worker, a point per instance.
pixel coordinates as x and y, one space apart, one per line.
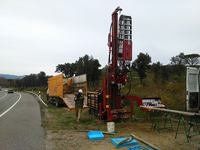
79 99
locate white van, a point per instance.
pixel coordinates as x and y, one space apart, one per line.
193 89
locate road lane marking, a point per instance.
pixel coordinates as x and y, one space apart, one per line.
38 97
1 115
4 95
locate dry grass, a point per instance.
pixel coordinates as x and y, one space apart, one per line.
172 92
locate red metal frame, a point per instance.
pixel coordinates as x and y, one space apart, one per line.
118 68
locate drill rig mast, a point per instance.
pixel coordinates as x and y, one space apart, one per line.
120 56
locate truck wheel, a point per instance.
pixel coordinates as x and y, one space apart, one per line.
56 103
50 100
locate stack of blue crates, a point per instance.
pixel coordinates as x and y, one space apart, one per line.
95 135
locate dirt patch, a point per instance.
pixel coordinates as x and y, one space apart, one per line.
72 140
62 133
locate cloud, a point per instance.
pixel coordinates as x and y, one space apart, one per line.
37 35
23 28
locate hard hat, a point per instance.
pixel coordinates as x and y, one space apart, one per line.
80 91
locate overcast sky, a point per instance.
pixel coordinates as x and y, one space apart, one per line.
36 35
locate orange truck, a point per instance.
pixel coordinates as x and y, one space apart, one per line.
61 90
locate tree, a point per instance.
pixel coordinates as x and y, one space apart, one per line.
178 64
182 59
141 64
84 65
4 82
32 80
178 59
90 66
67 69
165 73
42 79
192 59
156 68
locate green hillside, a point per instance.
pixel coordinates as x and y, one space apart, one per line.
171 92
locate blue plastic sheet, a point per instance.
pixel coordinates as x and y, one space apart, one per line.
116 141
139 147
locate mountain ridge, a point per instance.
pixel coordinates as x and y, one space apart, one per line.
10 76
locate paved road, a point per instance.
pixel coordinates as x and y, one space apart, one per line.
20 127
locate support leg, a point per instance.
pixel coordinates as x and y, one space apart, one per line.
179 120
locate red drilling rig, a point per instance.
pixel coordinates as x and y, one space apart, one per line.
111 101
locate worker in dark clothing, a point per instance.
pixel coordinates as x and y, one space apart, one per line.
79 99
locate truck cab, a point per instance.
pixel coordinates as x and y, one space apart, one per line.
193 89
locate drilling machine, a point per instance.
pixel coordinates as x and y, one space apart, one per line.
111 105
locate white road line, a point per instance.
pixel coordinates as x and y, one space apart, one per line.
38 97
1 115
4 95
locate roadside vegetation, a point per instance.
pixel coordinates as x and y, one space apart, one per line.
171 92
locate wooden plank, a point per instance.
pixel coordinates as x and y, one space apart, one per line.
145 142
79 79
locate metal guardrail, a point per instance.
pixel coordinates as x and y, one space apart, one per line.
39 97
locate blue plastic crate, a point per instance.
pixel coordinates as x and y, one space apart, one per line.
95 135
116 141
